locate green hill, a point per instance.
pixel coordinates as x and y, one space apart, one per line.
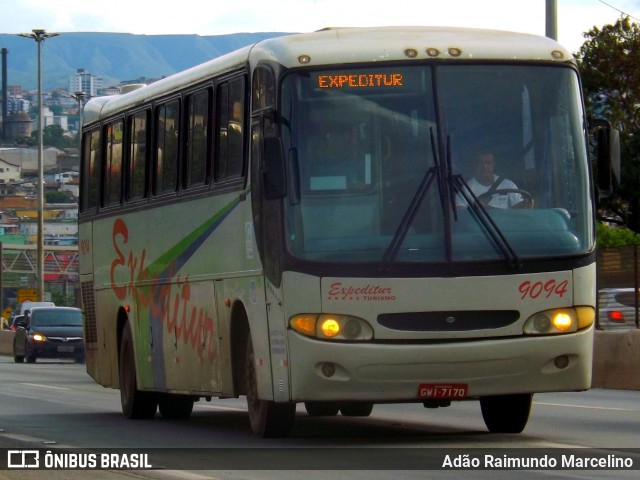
114 57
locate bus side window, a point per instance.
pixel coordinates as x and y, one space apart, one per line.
197 138
138 148
113 163
167 151
90 178
229 161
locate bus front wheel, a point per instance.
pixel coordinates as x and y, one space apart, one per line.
268 419
506 413
135 403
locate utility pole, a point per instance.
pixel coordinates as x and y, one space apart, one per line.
552 19
5 94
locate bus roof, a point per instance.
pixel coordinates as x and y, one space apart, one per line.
334 46
373 44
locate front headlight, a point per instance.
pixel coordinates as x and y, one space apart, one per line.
332 327
38 337
559 320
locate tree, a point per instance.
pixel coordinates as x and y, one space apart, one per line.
609 63
613 237
57 196
53 136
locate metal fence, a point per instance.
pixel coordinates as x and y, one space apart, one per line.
619 267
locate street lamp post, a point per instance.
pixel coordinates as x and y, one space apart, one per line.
40 35
79 97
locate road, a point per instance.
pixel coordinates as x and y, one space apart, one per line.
54 404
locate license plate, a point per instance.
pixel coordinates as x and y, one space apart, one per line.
442 390
66 348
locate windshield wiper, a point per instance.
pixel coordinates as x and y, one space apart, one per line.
411 212
459 186
456 185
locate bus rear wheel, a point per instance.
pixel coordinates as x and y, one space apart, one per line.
135 403
506 413
268 419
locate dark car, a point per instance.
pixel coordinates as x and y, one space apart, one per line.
49 332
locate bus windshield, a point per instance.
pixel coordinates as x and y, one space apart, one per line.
437 163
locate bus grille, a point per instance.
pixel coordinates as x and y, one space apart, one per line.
452 321
89 307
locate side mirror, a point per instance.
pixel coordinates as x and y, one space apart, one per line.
273 169
607 157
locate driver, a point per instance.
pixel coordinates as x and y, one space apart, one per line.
485 182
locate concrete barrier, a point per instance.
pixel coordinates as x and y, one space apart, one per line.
616 358
6 342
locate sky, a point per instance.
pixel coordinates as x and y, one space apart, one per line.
211 17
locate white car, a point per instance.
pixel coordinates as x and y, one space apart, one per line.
617 308
28 305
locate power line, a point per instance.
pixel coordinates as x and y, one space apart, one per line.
621 11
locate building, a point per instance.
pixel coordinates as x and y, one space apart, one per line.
18 104
18 125
10 172
27 158
85 82
49 119
18 202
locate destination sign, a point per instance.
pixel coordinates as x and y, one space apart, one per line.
361 80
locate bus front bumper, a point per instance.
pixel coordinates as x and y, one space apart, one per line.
327 371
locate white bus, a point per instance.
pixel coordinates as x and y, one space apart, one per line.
295 222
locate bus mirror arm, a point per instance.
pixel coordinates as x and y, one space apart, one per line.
273 169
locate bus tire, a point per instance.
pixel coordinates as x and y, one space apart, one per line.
268 419
136 404
506 413
175 406
356 409
322 409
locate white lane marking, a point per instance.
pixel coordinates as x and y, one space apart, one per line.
39 385
586 406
